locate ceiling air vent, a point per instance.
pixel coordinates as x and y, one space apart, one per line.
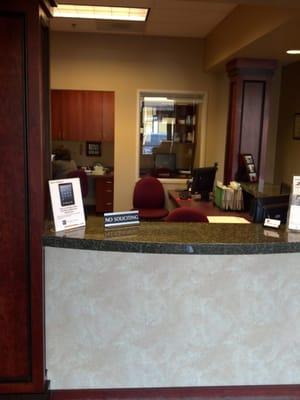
119 26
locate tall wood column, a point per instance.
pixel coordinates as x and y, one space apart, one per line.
24 136
248 117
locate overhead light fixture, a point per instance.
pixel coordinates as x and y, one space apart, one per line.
101 12
293 51
164 99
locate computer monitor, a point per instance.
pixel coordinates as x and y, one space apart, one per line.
165 161
203 181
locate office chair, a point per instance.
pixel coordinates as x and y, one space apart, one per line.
79 173
186 214
149 199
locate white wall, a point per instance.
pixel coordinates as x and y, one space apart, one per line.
126 64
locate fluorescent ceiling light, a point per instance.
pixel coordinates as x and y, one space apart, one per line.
293 51
101 12
155 99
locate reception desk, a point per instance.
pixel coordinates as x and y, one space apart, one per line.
172 305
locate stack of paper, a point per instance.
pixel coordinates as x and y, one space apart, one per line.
227 220
229 197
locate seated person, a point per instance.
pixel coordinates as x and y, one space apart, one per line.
62 164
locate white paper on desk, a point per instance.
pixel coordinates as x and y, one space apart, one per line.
294 218
219 219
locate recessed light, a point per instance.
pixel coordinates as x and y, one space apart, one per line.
101 12
293 51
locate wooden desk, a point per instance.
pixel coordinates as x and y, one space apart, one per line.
206 207
271 201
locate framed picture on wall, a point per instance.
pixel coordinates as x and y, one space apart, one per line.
248 159
296 134
251 168
93 149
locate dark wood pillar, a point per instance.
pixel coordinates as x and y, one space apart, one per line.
248 117
23 175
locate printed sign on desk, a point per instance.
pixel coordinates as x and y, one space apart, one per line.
294 210
67 205
118 219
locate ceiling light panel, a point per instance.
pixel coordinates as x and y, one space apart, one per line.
101 12
293 51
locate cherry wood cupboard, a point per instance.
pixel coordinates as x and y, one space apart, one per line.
82 115
104 193
24 169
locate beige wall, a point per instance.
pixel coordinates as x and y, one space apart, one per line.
219 101
245 25
288 150
126 64
78 153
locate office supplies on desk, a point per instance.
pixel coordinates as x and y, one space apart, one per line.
229 197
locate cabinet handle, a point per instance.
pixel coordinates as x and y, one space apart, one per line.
108 204
108 190
108 182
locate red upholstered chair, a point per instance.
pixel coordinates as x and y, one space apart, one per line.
149 198
186 214
79 173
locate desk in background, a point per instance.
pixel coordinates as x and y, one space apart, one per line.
269 201
206 207
101 192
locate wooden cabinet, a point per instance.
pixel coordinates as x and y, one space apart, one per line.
71 115
82 115
56 115
24 90
108 119
91 115
104 193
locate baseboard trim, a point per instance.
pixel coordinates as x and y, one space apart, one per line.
28 396
282 392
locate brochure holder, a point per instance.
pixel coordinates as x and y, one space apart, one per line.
67 204
293 219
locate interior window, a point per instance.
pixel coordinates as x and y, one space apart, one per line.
168 133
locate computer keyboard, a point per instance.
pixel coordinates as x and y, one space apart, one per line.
184 195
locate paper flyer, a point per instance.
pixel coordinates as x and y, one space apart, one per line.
67 204
294 211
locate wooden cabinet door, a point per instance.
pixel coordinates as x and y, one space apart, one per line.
82 115
72 115
56 114
108 120
92 115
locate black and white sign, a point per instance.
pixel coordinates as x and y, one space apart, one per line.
272 223
67 205
294 211
125 218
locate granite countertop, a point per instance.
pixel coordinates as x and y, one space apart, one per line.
176 238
